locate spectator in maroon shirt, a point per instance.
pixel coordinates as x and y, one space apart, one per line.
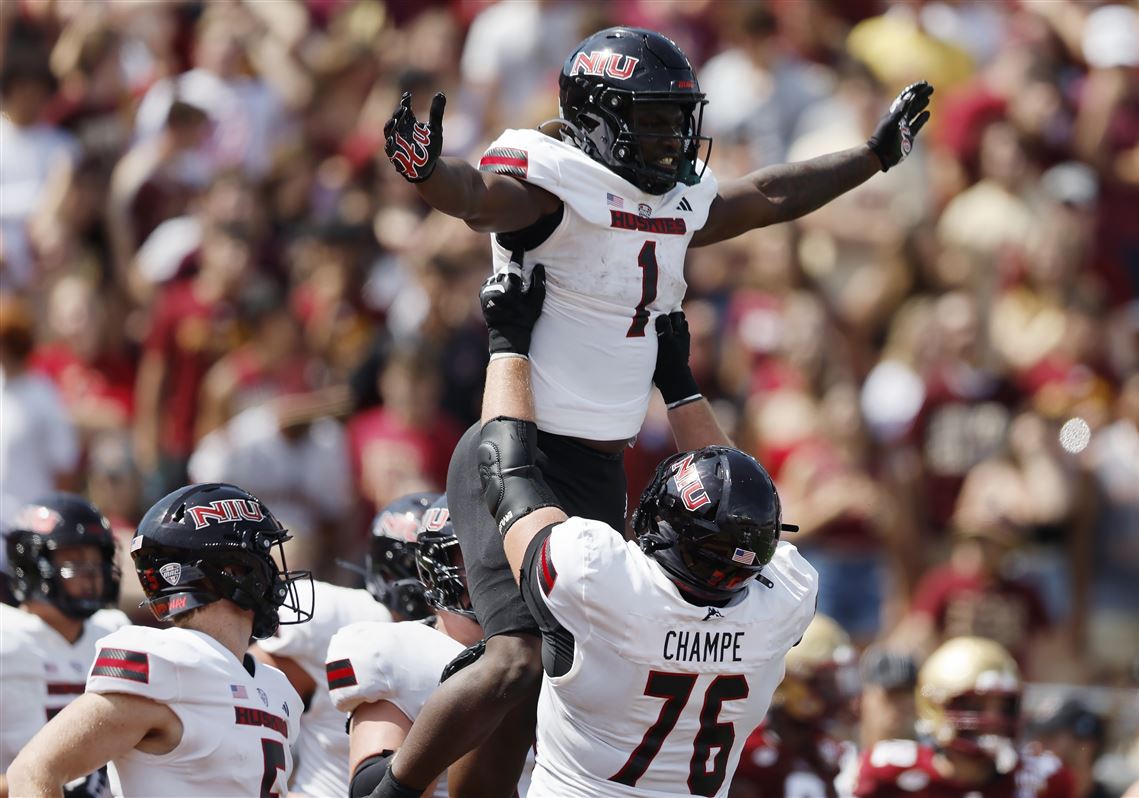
970 595
193 325
271 363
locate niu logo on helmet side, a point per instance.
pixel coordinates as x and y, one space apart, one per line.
603 62
225 510
398 526
436 518
688 482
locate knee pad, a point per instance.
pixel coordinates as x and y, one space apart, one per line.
512 484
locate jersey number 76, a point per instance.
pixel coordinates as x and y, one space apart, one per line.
676 689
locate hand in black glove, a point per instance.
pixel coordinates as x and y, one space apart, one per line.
411 146
894 137
672 376
510 309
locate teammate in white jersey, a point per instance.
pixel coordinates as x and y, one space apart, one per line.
609 198
298 650
382 674
61 553
186 711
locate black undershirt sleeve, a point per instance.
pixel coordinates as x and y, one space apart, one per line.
537 578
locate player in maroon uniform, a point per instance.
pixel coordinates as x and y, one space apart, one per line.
968 700
796 751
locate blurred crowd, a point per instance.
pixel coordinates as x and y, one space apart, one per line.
209 271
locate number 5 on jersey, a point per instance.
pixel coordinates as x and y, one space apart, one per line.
675 689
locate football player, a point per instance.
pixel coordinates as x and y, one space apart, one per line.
61 554
185 710
800 748
381 674
298 650
968 705
659 655
609 197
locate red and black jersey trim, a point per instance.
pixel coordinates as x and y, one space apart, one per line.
122 664
65 688
505 161
340 674
547 573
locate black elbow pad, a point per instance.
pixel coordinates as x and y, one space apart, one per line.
512 484
369 774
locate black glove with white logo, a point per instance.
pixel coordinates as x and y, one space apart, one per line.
894 137
510 308
672 376
411 146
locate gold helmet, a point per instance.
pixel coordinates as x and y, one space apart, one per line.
820 673
968 696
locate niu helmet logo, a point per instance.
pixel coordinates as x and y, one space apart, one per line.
398 526
688 482
411 156
436 518
224 511
603 62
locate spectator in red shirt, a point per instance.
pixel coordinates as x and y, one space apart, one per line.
85 357
405 444
193 324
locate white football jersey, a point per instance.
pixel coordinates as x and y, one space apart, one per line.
613 264
238 728
661 694
396 662
42 672
322 751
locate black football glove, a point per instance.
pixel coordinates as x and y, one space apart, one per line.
894 137
510 309
672 376
411 146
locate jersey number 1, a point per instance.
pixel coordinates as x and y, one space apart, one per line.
274 755
647 260
675 689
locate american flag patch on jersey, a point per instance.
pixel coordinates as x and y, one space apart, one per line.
744 557
505 161
238 691
340 674
122 664
613 201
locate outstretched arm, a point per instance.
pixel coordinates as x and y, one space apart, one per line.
787 191
487 202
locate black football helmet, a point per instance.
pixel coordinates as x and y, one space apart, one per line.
711 518
392 575
440 562
610 75
188 544
45 526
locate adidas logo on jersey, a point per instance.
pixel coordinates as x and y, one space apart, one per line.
684 205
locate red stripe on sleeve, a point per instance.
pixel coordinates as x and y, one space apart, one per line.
549 573
125 664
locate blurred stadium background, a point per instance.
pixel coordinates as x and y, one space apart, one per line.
207 273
